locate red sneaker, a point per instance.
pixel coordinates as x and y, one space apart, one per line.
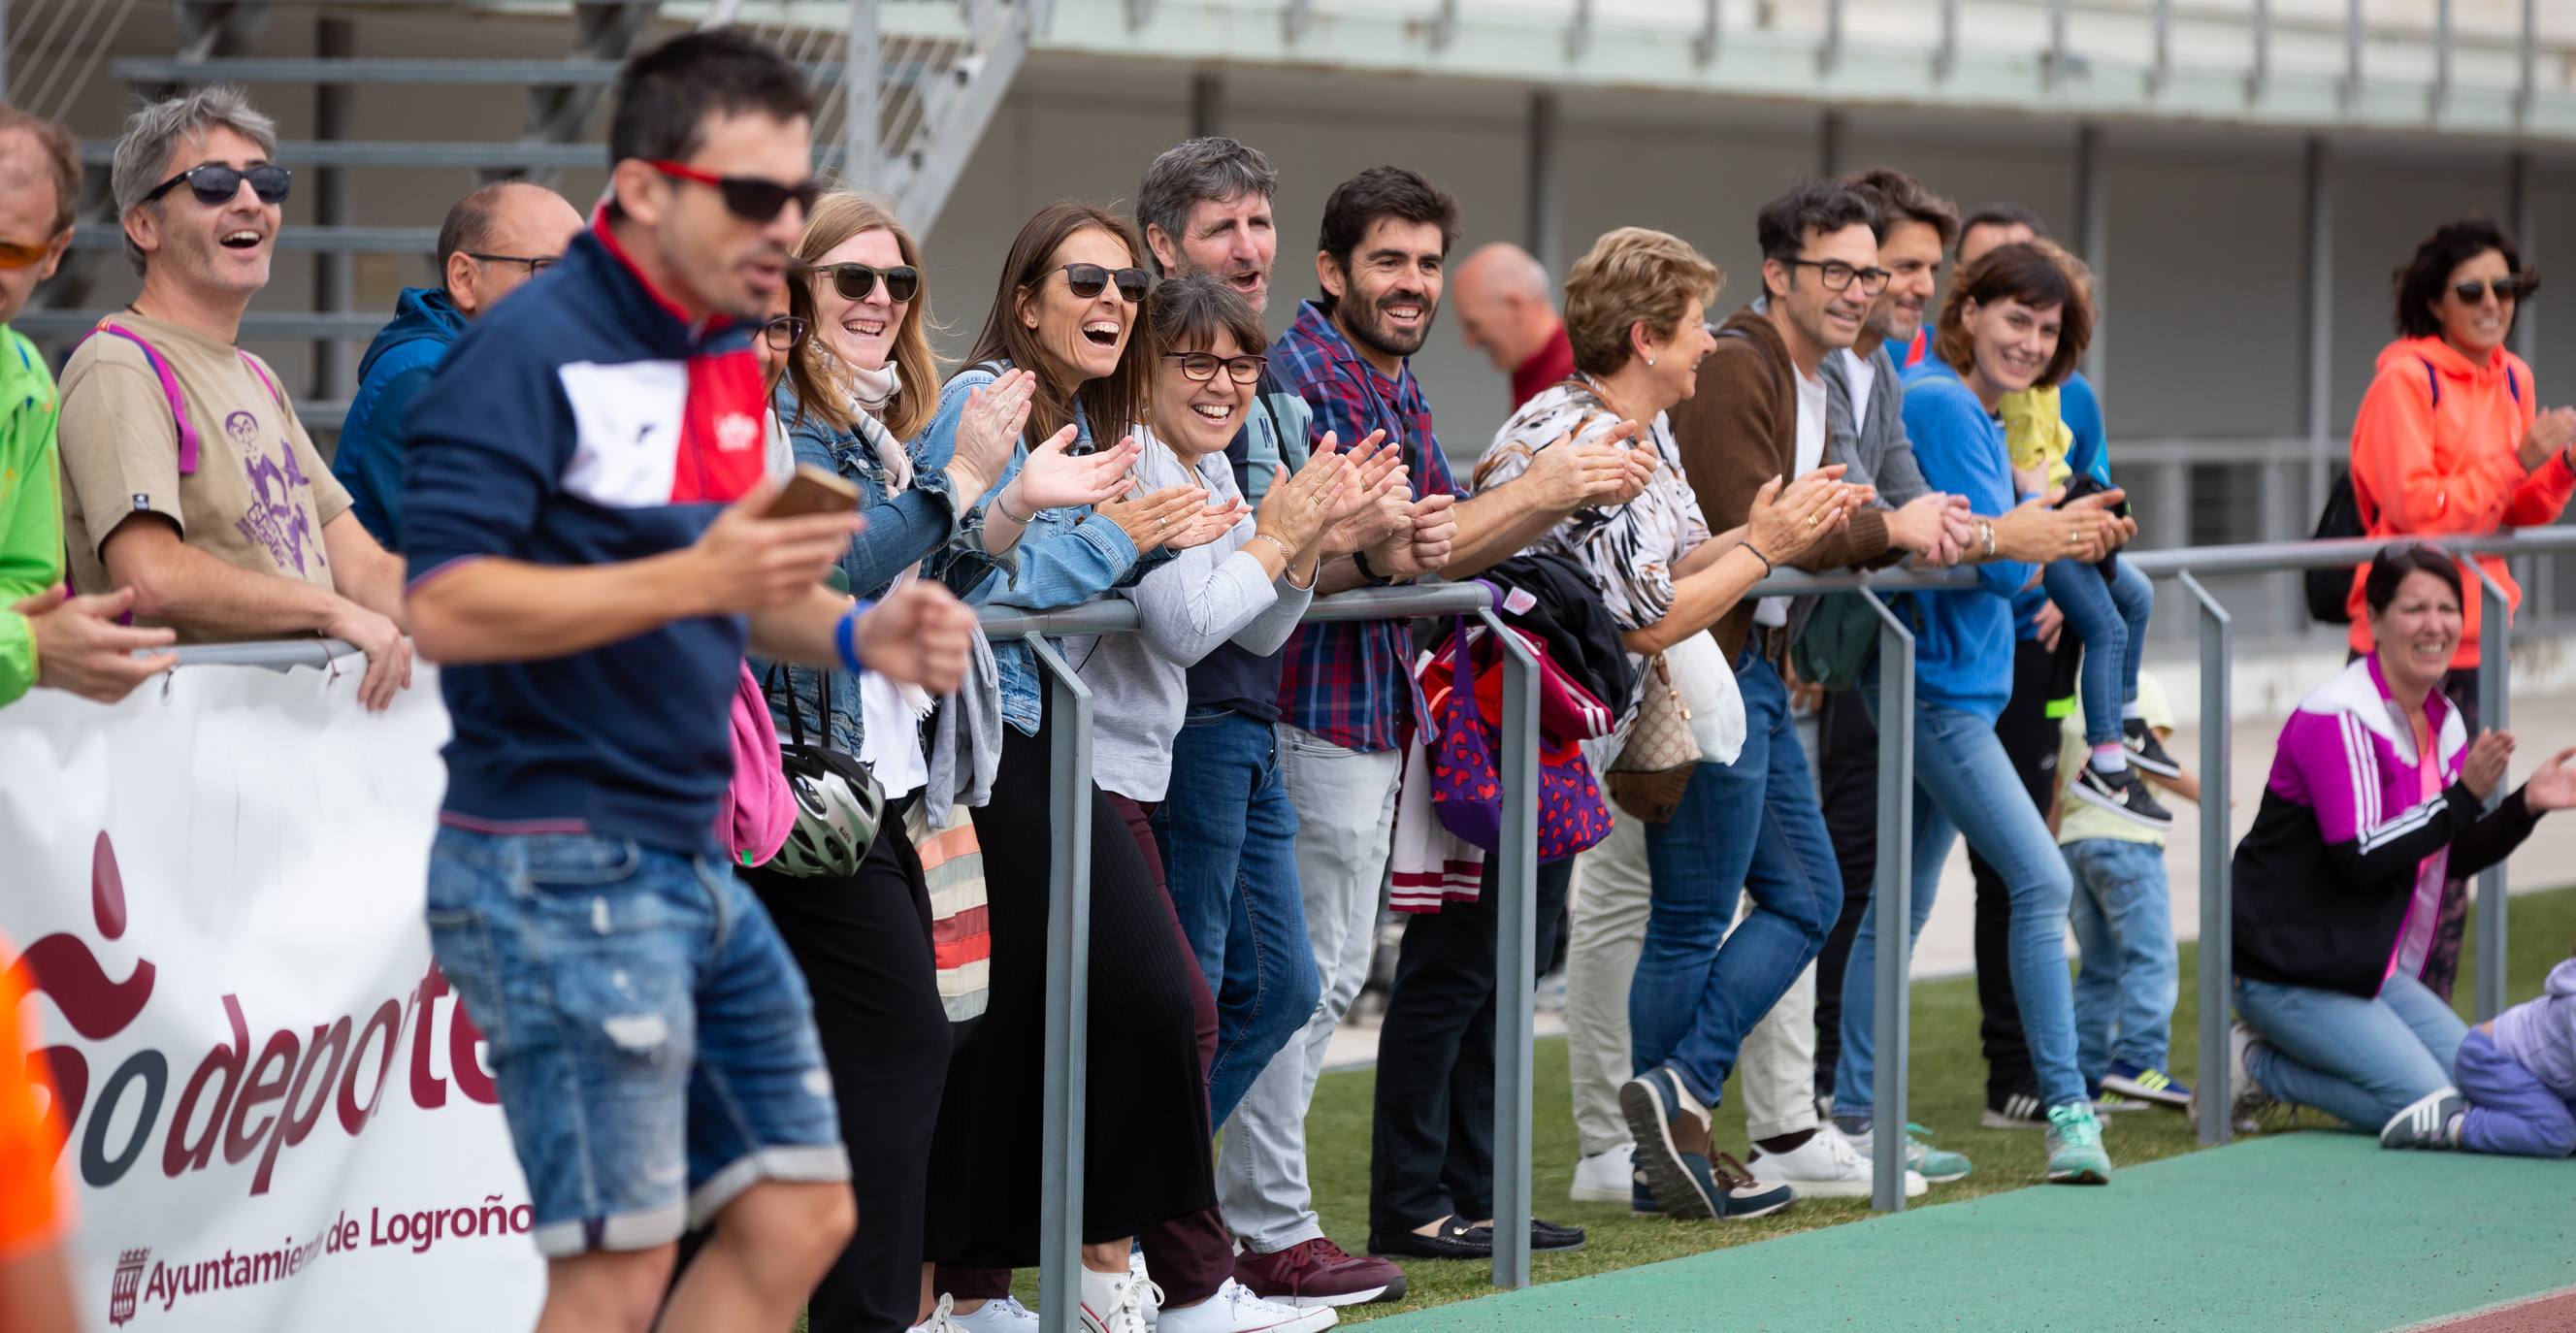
1318 1272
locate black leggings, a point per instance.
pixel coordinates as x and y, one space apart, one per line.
864 945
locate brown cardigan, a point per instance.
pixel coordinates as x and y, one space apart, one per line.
1738 430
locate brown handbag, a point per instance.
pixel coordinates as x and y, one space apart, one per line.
1655 762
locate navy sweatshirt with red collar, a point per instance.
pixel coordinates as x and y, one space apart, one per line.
588 421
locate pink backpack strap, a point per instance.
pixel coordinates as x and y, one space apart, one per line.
178 402
169 392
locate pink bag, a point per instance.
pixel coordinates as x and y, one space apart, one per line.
758 809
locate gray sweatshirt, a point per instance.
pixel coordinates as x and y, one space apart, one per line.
2540 1034
1200 598
1874 449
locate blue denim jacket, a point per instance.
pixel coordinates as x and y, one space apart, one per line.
1063 558
902 531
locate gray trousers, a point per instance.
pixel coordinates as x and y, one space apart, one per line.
1345 804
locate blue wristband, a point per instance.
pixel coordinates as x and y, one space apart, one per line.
845 635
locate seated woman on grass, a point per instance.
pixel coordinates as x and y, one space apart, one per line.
2377 793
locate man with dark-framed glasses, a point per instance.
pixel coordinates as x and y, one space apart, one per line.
494 241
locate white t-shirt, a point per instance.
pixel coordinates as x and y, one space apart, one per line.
1774 611
1863 373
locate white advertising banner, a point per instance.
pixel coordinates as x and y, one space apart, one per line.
278 1117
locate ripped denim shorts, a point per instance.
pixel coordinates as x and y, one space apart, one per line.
652 1039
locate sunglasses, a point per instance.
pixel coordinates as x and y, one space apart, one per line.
534 264
783 333
215 183
750 198
1200 367
2511 287
1087 280
17 255
855 281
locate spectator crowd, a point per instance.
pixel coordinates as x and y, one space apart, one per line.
745 856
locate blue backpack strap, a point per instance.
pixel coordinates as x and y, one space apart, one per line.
2513 382
2433 379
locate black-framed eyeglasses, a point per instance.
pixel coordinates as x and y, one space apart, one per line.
215 183
751 198
1087 280
2510 287
1839 276
1201 367
783 333
534 264
855 281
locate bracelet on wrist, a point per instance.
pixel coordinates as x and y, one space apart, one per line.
1002 501
1986 534
1369 575
845 636
1756 552
1287 553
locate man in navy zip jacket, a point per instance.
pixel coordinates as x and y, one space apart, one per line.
589 560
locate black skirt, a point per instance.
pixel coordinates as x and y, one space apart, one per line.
1146 1135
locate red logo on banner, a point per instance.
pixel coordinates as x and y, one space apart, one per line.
249 1099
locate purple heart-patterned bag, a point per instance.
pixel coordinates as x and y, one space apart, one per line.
1464 752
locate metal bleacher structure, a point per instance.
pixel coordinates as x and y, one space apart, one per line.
905 117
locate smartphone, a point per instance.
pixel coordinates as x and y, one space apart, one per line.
2081 485
813 491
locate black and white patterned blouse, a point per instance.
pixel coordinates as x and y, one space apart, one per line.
1630 549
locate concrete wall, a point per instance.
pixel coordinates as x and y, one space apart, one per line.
2203 270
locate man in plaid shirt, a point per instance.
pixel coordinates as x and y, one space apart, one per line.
1346 694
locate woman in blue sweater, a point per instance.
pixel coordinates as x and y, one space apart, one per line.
2018 316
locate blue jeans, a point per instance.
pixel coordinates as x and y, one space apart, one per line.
2360 1061
650 1036
2110 618
1964 784
2125 991
1228 835
1755 824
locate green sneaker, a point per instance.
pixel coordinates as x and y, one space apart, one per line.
2075 1155
1933 1164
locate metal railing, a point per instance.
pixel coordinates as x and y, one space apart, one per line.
1068 953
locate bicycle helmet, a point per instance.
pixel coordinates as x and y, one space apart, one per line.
837 810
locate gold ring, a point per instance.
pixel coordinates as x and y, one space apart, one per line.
1811 519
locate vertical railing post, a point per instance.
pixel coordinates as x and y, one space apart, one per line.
2495 663
2217 962
1893 901
1068 986
1515 955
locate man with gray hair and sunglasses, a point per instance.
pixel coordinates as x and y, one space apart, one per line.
187 476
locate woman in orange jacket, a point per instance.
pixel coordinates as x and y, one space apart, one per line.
2449 440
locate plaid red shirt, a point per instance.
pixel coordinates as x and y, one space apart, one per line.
1351 682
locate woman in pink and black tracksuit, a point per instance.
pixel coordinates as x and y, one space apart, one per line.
2376 795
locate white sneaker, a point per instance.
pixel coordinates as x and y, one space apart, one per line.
1606 1177
1826 1166
1002 1314
1234 1309
1153 1297
1123 1310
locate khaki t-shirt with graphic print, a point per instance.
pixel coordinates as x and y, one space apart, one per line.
260 493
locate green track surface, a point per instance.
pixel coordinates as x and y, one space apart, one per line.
2115 1263
2292 1231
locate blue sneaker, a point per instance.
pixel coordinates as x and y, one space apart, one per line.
1655 1102
2146 1085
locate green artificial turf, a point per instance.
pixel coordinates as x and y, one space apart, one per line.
1948 1095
